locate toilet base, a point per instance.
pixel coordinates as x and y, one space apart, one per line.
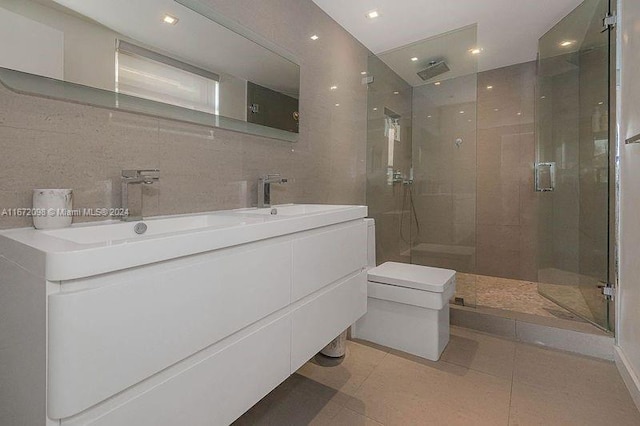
419 331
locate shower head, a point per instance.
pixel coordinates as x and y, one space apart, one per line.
434 69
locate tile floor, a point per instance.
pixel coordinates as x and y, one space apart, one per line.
511 295
480 380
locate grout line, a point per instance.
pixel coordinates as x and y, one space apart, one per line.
513 369
360 414
367 378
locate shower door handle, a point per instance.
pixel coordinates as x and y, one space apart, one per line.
545 179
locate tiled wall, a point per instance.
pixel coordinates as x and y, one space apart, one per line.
506 226
47 143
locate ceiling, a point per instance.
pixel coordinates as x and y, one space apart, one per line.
508 30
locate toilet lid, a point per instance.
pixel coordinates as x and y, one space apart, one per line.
419 277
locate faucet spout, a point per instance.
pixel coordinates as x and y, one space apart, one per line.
129 177
264 188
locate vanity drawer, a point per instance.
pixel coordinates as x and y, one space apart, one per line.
121 328
326 255
215 391
325 316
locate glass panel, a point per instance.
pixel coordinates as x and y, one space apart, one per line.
444 164
573 133
389 161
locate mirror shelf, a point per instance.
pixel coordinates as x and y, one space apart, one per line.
35 85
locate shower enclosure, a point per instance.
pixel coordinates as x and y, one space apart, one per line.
573 169
502 175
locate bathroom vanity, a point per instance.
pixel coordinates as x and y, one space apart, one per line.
191 322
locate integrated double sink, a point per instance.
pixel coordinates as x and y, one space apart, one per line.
92 248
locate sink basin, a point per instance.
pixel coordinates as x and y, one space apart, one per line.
294 209
91 233
89 249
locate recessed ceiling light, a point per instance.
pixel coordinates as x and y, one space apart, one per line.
396 93
333 87
337 104
566 43
489 87
496 109
363 72
543 97
314 37
519 113
373 14
171 20
461 112
375 109
600 103
475 50
437 83
414 59
428 116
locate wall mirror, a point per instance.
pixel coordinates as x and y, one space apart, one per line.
176 59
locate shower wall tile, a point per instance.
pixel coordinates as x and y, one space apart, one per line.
48 143
507 243
498 237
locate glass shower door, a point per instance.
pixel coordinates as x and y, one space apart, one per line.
572 170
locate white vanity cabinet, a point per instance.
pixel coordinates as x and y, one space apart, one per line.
195 339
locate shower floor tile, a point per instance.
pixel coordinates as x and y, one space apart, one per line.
507 294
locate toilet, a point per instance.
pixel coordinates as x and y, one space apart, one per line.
407 306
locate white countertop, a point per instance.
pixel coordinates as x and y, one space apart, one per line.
94 248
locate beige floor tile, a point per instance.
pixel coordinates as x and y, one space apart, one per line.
403 391
587 378
347 376
480 352
347 417
297 401
534 405
376 385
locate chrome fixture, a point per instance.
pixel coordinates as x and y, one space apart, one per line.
545 178
264 188
128 177
434 69
140 228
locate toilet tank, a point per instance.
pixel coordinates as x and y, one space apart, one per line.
371 242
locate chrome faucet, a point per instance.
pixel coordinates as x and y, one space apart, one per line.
264 188
128 177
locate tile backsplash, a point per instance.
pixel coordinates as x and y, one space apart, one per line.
55 144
